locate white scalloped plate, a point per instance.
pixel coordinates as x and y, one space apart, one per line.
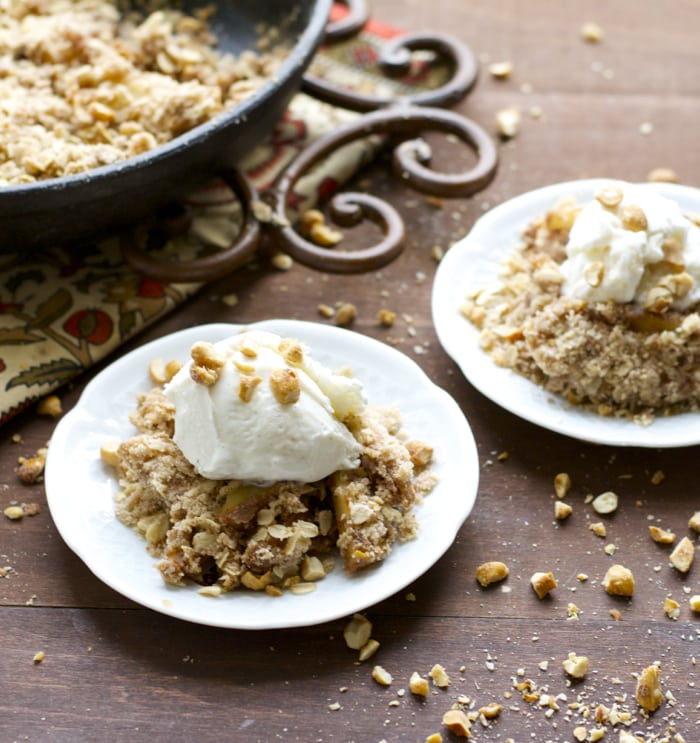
475 261
80 489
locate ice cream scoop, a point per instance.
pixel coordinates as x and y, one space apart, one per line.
258 407
630 244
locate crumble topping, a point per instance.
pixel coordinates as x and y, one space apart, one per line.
619 359
82 86
282 535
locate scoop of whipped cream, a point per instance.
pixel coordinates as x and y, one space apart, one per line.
258 407
630 244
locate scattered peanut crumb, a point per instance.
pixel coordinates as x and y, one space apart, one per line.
357 632
50 406
658 477
619 581
457 722
491 572
616 614
543 583
434 738
418 685
282 261
694 522
501 70
368 649
672 608
694 602
605 502
662 536
382 676
326 310
662 175
649 693
14 513
386 318
439 676
562 510
345 314
591 32
598 528
576 666
508 122
29 470
682 556
562 484
39 657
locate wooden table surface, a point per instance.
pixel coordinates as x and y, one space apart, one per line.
115 671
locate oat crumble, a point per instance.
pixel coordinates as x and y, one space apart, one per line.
279 536
616 359
82 86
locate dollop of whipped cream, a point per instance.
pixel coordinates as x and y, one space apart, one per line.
631 244
258 407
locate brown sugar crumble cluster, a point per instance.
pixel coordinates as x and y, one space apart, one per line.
617 359
228 534
83 86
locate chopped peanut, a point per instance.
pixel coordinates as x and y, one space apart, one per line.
591 32
682 556
457 722
662 536
108 453
649 692
357 632
439 676
368 649
491 710
382 676
491 572
672 608
418 685
285 385
14 513
694 603
619 581
694 522
662 175
562 510
508 122
345 314
598 528
562 484
576 665
610 197
633 218
50 406
605 502
501 70
247 385
543 583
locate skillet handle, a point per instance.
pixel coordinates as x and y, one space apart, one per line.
211 267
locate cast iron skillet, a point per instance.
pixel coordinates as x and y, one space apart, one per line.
80 207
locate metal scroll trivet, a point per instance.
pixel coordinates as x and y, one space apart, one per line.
400 121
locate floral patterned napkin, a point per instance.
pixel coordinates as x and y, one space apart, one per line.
61 312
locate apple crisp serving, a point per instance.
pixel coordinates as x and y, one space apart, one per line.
226 534
84 86
631 359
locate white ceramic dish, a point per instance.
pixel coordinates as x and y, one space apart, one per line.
80 489
475 261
